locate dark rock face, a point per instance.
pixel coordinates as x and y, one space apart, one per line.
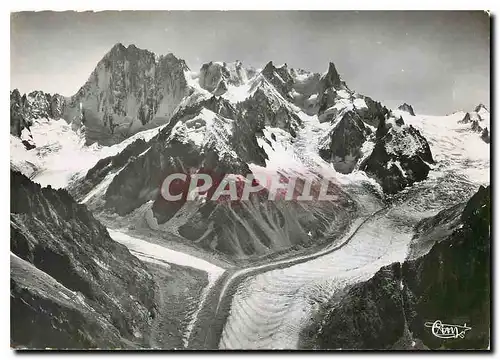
374 112
221 89
332 78
18 117
212 76
476 127
399 158
35 105
72 286
480 107
107 166
466 119
346 141
485 136
450 283
141 178
279 77
44 105
369 315
127 90
433 229
266 111
47 315
329 85
406 107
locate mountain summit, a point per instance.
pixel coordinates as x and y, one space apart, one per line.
406 107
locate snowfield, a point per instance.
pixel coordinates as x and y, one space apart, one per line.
206 129
61 155
454 146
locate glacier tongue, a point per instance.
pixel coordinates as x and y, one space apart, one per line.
270 309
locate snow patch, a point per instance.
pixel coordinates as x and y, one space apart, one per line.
343 94
205 130
57 147
359 103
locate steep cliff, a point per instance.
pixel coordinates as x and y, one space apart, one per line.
72 286
127 90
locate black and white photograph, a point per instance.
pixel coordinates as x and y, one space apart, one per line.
250 180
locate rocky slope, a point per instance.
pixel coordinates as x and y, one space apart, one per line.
200 138
217 77
400 156
72 286
446 277
346 140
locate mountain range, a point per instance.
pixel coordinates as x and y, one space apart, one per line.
140 117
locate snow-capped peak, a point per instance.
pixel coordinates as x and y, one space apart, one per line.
408 108
332 77
206 130
481 107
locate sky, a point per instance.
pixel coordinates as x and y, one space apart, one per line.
437 61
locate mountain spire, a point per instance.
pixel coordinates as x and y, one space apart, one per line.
332 77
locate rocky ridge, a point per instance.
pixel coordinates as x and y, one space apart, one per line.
479 121
72 286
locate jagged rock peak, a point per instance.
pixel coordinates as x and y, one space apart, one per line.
485 136
269 68
120 50
480 107
332 76
118 46
466 118
37 104
134 53
127 90
15 93
408 108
